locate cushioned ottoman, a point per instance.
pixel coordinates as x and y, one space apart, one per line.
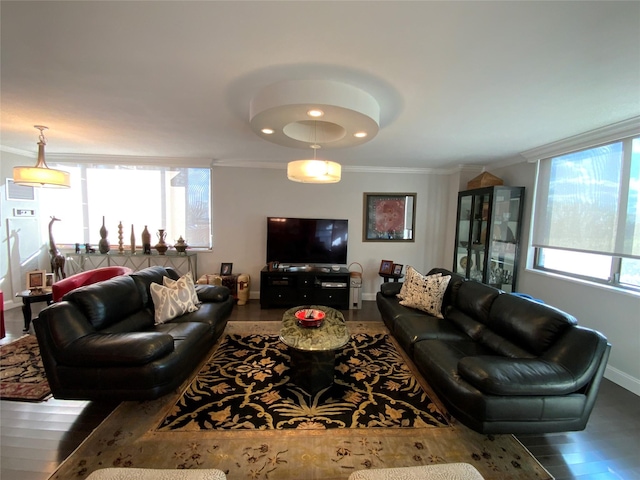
156 474
447 471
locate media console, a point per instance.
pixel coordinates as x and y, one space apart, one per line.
293 286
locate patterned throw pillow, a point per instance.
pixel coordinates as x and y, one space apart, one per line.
424 292
184 283
410 273
172 301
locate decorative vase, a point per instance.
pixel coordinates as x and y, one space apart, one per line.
181 246
120 238
146 241
133 240
103 245
161 246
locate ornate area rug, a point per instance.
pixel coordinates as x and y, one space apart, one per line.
22 375
246 385
170 432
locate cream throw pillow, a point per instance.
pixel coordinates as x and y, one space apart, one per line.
184 283
173 299
424 292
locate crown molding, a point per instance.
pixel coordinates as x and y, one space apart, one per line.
128 160
18 151
609 133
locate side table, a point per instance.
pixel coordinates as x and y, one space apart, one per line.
390 277
29 297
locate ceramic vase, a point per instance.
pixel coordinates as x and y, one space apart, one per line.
120 238
133 240
103 245
146 241
161 246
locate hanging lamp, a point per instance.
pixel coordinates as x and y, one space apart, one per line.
314 170
41 175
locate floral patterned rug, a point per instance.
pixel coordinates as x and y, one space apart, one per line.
161 434
246 385
22 375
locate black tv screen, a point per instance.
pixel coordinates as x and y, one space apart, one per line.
307 240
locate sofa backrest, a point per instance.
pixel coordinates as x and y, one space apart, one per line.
475 299
107 302
527 323
451 292
144 278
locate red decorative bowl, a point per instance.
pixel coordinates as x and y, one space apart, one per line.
309 317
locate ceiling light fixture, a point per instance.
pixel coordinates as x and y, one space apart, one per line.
268 131
315 113
314 170
41 175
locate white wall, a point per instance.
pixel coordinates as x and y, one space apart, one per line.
245 197
613 312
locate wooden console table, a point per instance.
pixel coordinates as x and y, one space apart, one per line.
182 263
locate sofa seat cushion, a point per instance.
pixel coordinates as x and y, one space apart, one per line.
513 376
117 349
213 315
412 328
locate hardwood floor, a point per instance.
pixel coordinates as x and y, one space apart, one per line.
36 437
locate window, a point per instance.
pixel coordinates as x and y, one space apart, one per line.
176 199
587 221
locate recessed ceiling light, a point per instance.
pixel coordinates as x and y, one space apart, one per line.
315 113
267 131
360 134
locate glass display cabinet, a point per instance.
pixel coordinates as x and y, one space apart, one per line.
488 230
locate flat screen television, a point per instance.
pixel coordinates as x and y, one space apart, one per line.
307 241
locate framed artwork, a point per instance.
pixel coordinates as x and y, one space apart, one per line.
49 281
386 267
389 217
225 268
36 280
397 269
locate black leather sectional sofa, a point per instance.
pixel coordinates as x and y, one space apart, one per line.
101 342
499 362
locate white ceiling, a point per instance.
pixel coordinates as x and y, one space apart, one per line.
457 82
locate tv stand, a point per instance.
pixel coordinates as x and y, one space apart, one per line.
304 285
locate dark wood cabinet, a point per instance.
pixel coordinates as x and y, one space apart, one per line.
488 235
304 286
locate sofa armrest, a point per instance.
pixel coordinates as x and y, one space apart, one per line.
212 293
516 376
390 289
117 349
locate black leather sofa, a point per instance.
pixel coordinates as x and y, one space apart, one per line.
101 342
501 363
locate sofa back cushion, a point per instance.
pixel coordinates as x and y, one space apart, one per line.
451 292
107 302
475 299
528 324
144 278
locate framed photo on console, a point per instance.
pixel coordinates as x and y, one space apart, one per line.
389 217
386 267
225 268
397 269
36 280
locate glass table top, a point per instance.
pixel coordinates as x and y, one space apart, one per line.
332 334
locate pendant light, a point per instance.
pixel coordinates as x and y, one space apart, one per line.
314 170
41 175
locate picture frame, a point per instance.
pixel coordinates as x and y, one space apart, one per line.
36 280
389 217
386 267
226 268
49 281
397 269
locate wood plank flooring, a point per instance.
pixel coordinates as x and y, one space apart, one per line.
36 437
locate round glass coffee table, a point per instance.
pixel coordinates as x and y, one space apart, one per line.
313 349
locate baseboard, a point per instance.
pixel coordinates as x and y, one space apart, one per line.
623 379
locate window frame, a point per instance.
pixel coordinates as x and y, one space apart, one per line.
162 165
615 261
